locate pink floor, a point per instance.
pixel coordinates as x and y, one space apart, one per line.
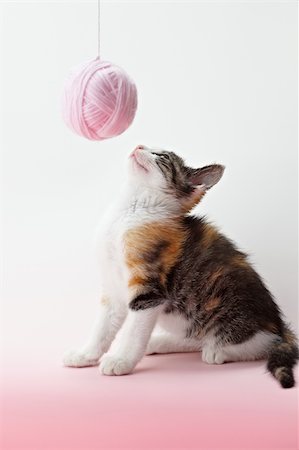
171 402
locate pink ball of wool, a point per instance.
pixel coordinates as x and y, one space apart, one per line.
99 100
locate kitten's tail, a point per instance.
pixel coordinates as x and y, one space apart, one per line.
282 357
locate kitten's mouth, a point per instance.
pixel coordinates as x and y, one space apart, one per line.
135 156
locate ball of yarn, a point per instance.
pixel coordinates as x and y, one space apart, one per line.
99 100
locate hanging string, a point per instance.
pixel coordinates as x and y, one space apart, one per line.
99 28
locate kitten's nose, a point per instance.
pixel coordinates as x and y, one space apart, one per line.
136 149
139 147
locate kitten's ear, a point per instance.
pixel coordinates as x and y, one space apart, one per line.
206 176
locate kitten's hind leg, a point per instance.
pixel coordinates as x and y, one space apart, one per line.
170 343
256 347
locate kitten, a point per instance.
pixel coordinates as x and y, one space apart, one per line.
164 268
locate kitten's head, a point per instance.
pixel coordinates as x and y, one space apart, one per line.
166 172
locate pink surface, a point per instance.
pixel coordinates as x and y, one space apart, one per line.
171 402
99 100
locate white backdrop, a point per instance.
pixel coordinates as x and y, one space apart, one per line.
216 82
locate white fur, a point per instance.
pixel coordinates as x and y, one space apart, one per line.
254 348
108 322
164 342
130 343
173 323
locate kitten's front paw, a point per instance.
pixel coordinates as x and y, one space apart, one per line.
113 365
77 358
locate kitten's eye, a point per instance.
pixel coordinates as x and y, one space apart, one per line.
164 156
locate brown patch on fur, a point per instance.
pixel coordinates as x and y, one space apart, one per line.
212 303
289 337
280 373
215 275
272 327
240 261
151 250
285 347
136 280
210 234
192 200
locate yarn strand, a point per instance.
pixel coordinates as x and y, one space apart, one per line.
99 29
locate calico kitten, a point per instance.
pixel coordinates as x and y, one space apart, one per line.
164 268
